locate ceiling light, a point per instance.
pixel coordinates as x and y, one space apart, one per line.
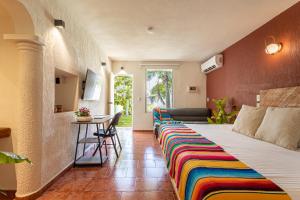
272 47
59 23
150 29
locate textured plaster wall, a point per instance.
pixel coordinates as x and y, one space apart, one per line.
187 74
71 50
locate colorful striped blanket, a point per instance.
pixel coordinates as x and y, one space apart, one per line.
202 170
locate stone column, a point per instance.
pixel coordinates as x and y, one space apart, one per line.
29 108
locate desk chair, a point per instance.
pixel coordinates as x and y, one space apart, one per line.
110 132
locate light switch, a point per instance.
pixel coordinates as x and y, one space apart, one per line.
258 98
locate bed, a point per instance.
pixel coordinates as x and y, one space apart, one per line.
278 164
258 167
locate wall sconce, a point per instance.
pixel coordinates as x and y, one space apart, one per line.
272 47
59 23
122 72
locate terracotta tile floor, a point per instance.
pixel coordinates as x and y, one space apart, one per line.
139 173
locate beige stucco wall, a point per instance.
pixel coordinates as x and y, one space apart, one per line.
71 50
8 85
184 75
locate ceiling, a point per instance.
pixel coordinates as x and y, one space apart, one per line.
184 30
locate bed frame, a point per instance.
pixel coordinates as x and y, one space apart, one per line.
175 188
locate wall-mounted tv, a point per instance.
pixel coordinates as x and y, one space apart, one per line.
92 86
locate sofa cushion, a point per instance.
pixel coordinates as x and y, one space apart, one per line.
189 118
189 112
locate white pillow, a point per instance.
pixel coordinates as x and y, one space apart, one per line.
281 126
249 119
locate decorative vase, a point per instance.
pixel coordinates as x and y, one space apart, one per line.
84 118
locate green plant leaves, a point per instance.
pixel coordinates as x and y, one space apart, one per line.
123 93
210 121
159 88
220 116
8 157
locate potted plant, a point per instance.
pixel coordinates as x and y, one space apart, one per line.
220 115
83 115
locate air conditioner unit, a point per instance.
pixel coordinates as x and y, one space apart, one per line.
212 64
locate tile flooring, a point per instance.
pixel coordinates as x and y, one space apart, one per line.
139 173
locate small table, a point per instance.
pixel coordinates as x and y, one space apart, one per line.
4 132
90 140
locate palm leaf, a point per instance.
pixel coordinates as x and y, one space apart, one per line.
8 157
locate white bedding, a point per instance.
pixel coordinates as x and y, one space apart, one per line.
280 165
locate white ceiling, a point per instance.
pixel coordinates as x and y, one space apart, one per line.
185 30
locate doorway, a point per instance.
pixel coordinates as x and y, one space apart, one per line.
123 99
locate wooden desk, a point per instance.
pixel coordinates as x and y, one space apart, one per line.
4 132
90 140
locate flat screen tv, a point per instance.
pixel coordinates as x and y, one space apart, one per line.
92 86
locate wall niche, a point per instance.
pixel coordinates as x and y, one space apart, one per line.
66 91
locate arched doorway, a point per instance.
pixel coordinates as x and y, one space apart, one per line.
8 182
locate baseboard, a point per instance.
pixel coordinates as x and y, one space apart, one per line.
146 131
40 191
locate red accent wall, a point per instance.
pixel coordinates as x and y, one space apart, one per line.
248 69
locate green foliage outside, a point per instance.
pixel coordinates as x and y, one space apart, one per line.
159 89
125 121
123 98
220 115
8 158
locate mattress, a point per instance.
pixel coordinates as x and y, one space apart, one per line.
278 164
